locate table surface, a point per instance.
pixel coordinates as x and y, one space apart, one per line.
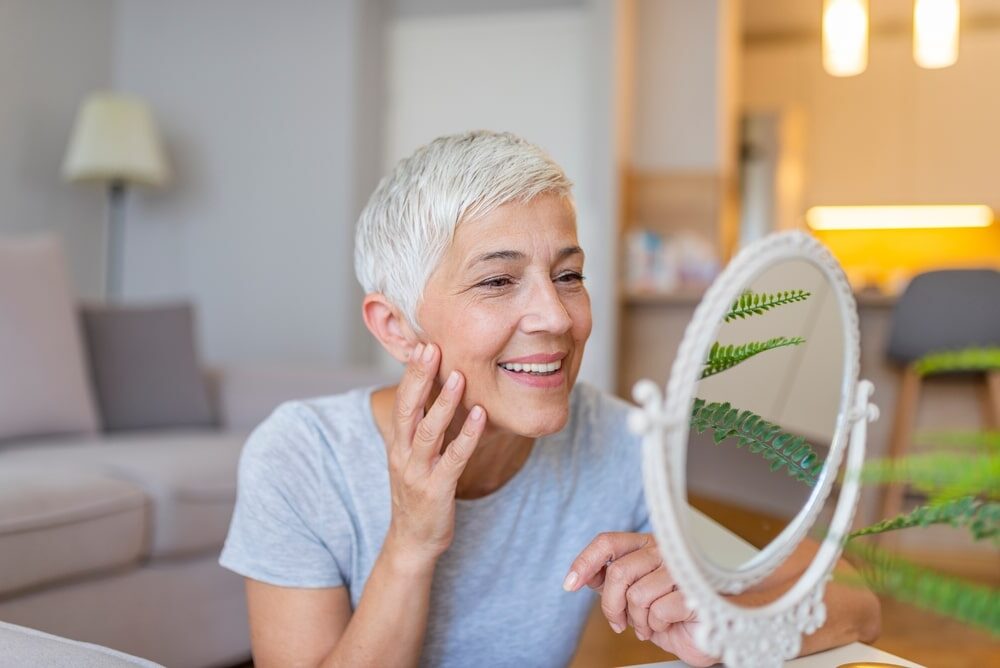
828 659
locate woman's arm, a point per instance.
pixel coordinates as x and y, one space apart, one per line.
295 627
303 627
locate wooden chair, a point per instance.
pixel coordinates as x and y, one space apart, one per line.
939 310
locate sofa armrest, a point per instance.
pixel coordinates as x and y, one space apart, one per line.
245 394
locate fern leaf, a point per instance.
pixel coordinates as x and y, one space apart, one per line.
722 357
987 440
968 602
781 449
981 517
941 475
754 303
967 359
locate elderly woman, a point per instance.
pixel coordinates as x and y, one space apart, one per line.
440 521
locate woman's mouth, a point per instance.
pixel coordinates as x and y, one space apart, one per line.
534 369
537 375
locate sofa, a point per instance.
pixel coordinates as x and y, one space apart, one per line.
110 529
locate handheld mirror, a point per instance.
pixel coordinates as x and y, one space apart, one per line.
741 456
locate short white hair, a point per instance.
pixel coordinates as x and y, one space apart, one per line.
410 219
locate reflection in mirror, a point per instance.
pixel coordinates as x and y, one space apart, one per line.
766 407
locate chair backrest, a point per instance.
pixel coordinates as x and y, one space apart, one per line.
946 310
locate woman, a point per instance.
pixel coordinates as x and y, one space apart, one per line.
441 521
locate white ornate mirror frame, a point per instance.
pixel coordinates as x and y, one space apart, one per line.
767 635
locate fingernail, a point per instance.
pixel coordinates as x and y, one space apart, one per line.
641 636
477 415
617 628
415 352
571 579
452 380
428 353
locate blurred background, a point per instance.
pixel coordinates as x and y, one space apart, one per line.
179 184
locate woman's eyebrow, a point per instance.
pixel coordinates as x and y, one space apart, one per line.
518 255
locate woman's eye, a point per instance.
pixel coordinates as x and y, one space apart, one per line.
571 277
498 282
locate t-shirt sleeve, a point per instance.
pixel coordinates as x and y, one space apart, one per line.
278 492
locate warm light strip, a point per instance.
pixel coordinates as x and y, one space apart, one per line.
845 37
935 33
898 217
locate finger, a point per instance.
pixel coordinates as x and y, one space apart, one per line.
413 390
429 435
619 576
667 610
605 548
641 595
459 451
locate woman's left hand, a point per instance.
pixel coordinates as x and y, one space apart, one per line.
638 590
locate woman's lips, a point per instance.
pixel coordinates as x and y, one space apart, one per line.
539 381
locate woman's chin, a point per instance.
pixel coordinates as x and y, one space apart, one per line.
534 425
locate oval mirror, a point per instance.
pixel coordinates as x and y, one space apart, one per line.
741 454
765 409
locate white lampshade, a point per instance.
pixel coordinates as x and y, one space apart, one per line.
935 33
114 139
845 37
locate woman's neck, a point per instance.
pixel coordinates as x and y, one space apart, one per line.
498 456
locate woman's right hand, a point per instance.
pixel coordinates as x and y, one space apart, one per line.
422 478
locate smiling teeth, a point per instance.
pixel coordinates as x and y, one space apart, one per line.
534 368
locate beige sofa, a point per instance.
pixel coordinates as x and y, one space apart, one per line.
113 505
113 539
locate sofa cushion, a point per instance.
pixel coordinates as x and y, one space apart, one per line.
144 363
189 477
44 387
20 646
57 523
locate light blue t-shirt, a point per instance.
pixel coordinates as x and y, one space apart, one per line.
313 508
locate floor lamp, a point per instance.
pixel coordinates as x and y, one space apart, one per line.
115 143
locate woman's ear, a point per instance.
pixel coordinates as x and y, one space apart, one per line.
387 324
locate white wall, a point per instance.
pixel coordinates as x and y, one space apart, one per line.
258 105
531 72
51 55
684 84
895 134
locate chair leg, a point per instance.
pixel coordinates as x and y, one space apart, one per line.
902 433
993 399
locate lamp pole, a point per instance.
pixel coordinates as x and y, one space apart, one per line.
116 238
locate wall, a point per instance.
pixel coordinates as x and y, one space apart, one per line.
51 55
896 134
685 85
258 104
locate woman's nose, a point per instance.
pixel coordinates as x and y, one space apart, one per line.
545 311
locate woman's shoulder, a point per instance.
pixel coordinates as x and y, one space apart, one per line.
596 407
599 417
307 430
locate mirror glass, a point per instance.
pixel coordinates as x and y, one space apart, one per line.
765 411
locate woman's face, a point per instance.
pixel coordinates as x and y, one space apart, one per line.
509 293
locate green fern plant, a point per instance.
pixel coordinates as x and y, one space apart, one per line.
981 518
886 573
751 303
963 486
722 357
951 361
781 449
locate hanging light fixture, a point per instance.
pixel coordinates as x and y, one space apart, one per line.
845 37
935 33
